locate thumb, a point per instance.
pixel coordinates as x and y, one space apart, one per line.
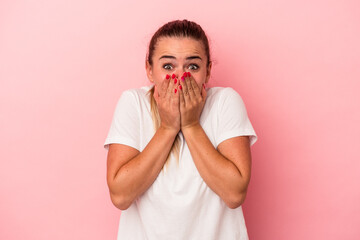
156 95
203 91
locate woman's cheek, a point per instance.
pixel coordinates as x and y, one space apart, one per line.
199 80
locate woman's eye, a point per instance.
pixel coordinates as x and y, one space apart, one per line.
193 67
167 66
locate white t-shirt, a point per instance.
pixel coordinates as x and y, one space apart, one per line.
179 204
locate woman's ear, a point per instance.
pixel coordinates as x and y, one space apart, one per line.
149 71
208 72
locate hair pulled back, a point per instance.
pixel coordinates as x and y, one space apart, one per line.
179 28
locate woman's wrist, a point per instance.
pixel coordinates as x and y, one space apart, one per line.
169 130
190 127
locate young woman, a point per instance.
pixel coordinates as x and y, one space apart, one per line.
179 160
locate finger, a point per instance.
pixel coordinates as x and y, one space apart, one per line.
185 88
175 91
203 92
195 87
175 88
189 85
175 98
181 97
156 94
170 89
164 87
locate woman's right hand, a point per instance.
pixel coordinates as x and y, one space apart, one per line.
168 103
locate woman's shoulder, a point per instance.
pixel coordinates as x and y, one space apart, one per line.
220 92
139 92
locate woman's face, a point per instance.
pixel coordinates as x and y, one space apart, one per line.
176 55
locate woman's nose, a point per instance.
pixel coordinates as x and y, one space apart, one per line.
179 72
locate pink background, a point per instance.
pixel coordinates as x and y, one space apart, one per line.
64 64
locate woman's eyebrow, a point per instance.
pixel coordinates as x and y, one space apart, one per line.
188 58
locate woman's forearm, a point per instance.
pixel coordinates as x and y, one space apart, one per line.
136 176
219 173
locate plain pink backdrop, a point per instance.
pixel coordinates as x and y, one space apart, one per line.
64 64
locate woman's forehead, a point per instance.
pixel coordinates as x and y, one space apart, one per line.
179 45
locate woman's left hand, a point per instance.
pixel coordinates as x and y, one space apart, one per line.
192 101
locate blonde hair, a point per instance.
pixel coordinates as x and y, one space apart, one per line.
175 148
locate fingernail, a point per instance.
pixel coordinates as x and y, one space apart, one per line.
175 90
185 74
182 78
189 74
167 76
180 87
173 76
175 81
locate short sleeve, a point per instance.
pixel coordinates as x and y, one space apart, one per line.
124 128
233 119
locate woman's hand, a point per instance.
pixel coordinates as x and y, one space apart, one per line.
192 101
167 99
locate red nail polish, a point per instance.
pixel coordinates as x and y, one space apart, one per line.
180 87
167 76
175 90
173 76
182 78
189 74
175 81
185 74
